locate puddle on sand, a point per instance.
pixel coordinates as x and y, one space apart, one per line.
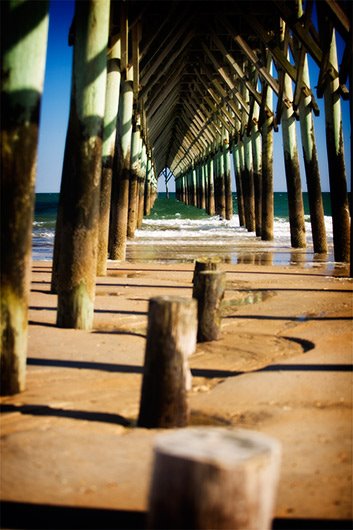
245 298
124 274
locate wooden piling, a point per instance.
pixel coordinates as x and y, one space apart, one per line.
82 169
133 184
311 164
202 185
238 183
194 187
109 136
248 186
336 165
206 182
267 166
141 187
211 203
148 188
203 264
147 199
171 339
217 478
22 77
227 180
291 163
118 246
209 292
195 171
220 198
256 142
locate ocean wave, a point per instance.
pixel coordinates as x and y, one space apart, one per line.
187 237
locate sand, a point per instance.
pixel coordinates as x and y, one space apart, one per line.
282 367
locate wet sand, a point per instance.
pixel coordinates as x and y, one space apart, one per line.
283 367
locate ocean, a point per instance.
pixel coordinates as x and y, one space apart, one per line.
175 232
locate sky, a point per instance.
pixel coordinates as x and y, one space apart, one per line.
56 101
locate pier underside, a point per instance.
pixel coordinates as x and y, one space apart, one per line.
193 91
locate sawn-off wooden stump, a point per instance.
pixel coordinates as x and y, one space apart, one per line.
214 478
203 264
209 287
171 339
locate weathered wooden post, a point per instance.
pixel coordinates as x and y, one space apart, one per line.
221 183
248 185
267 164
82 169
202 184
311 164
133 184
191 177
119 219
147 201
212 477
238 183
22 77
227 178
248 180
335 154
291 163
148 187
109 137
188 187
118 247
171 339
256 141
211 203
142 183
203 264
206 182
194 186
209 290
199 186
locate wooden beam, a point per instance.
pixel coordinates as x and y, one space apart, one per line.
224 75
219 108
170 63
160 31
164 50
236 68
136 37
303 35
276 51
250 54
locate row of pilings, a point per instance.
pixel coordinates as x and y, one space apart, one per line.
109 171
108 177
205 180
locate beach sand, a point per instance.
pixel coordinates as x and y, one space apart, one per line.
282 367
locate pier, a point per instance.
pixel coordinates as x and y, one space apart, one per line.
184 90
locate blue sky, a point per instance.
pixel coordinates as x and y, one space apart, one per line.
55 113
